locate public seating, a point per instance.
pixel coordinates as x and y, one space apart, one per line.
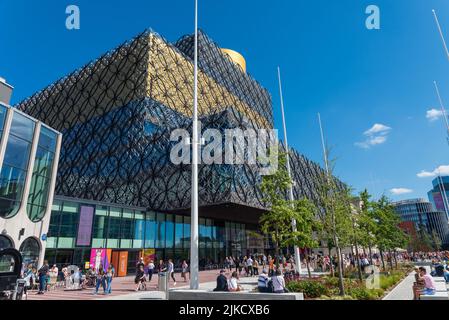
243 295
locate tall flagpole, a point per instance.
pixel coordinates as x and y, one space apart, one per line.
441 33
443 110
194 283
297 256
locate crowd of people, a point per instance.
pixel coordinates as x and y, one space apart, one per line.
270 271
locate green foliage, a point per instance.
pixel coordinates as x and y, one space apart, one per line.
277 222
310 288
387 281
362 293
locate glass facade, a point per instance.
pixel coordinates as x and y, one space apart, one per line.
42 171
135 229
15 164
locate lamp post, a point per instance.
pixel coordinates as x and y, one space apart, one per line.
194 281
443 110
441 33
297 256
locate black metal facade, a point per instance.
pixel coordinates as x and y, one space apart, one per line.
116 115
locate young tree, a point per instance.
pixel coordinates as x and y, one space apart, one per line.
333 216
305 215
388 234
367 223
436 241
277 222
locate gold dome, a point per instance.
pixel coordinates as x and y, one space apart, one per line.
236 57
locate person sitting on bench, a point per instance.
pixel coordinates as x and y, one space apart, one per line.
429 283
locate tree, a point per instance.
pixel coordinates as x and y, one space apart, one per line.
333 215
436 241
366 222
306 224
277 221
388 235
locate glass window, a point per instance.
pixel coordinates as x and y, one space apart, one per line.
22 127
17 153
100 227
68 227
114 227
12 182
3 112
178 231
150 230
186 239
169 231
127 229
160 230
5 242
47 139
42 170
139 229
30 250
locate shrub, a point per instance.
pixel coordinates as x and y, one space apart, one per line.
336 298
360 293
310 289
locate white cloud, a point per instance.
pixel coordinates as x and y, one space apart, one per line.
441 170
434 114
377 129
399 191
376 135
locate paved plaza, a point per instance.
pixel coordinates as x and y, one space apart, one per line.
121 288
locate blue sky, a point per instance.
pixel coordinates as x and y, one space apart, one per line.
330 63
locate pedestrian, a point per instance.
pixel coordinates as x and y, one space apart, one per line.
249 266
109 275
255 267
185 269
171 270
150 270
101 279
237 265
140 264
43 273
140 278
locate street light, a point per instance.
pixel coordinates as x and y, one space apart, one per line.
297 257
194 272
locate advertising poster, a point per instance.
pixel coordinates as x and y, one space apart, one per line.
100 257
148 255
85 226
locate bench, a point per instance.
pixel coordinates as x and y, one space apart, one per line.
179 294
440 286
439 295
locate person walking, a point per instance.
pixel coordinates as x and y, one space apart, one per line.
255 267
101 279
150 270
140 278
43 273
109 275
249 266
171 270
185 269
